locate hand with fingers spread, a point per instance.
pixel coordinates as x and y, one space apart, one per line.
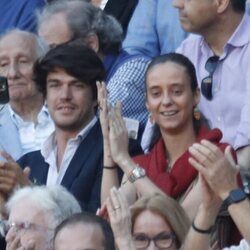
11 175
218 169
120 220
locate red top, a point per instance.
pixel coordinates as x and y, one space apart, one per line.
175 182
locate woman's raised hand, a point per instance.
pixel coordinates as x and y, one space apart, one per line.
118 135
120 219
102 97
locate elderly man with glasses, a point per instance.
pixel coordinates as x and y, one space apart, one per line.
34 213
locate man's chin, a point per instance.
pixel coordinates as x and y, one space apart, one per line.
68 126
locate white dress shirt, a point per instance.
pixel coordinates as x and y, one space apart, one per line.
244 245
32 135
49 152
103 4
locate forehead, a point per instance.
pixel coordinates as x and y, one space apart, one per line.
59 74
167 73
80 236
55 30
28 211
14 45
151 223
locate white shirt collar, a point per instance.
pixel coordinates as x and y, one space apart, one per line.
49 145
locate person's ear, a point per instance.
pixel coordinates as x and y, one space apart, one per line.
93 42
222 5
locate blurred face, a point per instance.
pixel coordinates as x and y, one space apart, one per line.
17 56
196 15
152 225
79 237
35 234
169 97
55 30
70 101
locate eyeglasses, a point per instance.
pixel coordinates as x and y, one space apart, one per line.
5 226
207 82
163 240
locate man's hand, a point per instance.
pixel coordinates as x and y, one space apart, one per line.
12 175
218 169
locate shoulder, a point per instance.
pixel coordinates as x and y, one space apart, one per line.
213 135
96 130
5 116
4 110
192 41
94 138
30 4
132 66
126 59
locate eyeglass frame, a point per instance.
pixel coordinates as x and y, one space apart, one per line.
172 237
207 82
6 225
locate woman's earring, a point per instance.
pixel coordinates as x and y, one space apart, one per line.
197 114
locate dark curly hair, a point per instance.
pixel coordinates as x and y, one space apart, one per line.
77 60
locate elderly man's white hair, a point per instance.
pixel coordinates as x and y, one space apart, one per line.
56 201
41 46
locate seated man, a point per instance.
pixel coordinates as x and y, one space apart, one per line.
73 155
34 213
24 122
219 183
84 231
220 52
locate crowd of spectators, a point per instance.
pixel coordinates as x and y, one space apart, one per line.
126 124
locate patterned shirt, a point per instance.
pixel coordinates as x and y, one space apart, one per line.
127 85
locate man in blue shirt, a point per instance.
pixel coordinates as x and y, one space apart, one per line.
19 14
154 29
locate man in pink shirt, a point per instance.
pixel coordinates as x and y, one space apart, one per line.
220 54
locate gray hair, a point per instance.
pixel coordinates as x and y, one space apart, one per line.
56 201
85 19
41 47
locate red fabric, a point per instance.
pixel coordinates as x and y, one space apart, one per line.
182 174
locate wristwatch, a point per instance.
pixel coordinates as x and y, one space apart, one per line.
137 173
235 196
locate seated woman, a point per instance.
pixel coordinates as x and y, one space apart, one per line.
172 96
153 222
